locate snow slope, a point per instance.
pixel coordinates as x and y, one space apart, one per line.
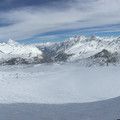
58 84
64 91
77 49
12 49
88 46
81 47
104 110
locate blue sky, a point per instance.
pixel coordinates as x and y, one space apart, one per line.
34 21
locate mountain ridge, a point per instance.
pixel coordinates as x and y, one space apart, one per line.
83 50
14 53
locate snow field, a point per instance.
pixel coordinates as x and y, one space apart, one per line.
58 84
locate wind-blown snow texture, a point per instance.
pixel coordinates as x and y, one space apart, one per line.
42 92
58 84
104 110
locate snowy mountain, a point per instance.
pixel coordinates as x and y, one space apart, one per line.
76 93
87 51
15 53
59 92
84 49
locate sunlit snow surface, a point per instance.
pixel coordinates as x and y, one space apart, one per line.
57 84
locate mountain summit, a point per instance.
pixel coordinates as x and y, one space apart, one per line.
88 51
83 49
15 53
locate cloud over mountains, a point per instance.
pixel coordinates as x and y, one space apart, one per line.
29 19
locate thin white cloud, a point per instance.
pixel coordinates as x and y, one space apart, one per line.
30 21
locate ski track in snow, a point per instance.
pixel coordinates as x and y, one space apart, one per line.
58 84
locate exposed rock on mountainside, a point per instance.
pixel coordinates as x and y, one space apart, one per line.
88 51
105 58
93 50
14 53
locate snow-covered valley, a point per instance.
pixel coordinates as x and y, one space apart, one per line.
78 79
58 84
59 92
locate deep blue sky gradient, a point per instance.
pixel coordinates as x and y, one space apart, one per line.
12 4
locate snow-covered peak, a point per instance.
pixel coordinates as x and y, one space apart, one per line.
75 39
80 37
72 49
12 49
12 42
92 45
80 47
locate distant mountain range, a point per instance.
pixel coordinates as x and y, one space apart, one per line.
87 51
12 53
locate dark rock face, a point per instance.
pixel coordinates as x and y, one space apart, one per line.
51 55
15 61
105 58
62 56
46 59
55 56
19 60
102 58
104 53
